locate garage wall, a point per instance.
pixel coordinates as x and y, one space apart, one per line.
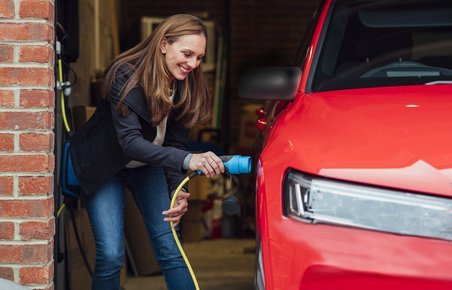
260 32
93 59
131 12
27 224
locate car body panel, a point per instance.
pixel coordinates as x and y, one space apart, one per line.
380 136
394 137
323 10
297 253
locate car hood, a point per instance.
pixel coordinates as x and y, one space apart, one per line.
397 137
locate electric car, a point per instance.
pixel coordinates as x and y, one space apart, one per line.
354 180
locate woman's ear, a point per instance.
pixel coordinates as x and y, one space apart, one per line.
163 45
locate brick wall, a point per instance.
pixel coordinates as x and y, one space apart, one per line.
26 142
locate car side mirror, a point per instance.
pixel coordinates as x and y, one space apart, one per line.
270 83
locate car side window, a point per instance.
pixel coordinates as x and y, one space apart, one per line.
374 44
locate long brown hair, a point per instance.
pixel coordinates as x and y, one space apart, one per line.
149 70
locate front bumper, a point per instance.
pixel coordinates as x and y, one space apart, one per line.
298 255
308 257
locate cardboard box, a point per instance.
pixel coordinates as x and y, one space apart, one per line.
123 276
192 227
81 114
141 255
192 231
78 274
201 188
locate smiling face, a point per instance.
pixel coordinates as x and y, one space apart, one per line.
183 55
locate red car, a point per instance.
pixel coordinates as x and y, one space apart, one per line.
354 180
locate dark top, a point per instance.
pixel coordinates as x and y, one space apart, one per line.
110 140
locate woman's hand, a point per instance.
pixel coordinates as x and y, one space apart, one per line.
209 163
180 208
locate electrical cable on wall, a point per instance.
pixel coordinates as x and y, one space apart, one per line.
64 88
66 51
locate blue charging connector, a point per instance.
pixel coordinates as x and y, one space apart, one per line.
237 164
234 164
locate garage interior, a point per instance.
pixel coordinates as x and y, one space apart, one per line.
242 33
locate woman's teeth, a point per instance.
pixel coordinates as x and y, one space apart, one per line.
185 70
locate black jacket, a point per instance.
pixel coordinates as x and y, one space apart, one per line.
109 140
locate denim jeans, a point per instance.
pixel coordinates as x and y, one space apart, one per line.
106 213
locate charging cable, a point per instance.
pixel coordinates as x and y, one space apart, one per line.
63 87
234 164
173 230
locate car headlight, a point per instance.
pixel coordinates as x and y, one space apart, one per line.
319 200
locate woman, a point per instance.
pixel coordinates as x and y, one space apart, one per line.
154 93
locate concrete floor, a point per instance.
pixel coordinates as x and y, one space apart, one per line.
225 264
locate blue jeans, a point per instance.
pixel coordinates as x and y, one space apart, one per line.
106 213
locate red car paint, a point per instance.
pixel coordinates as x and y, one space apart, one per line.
397 137
385 138
331 257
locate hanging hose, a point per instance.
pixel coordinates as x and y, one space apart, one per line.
234 164
60 210
79 243
60 86
63 107
173 230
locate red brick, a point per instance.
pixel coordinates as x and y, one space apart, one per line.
6 231
21 254
36 142
6 185
45 287
36 53
7 273
6 98
26 120
36 275
37 98
36 185
42 208
6 142
37 230
26 31
6 53
26 76
36 9
26 163
6 9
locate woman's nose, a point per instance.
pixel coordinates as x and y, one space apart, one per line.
192 62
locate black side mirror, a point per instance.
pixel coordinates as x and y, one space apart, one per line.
270 83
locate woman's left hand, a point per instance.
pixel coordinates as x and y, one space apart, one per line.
180 208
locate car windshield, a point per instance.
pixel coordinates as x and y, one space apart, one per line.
385 43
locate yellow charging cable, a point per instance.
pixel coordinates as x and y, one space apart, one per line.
176 238
60 209
63 107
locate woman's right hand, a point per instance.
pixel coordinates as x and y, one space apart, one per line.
209 163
